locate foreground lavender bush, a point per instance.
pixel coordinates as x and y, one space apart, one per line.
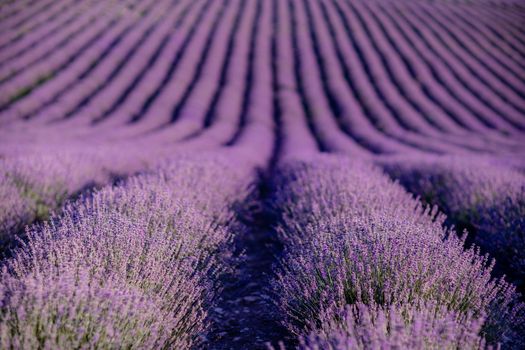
32 186
364 327
354 237
474 192
72 310
145 244
35 182
14 208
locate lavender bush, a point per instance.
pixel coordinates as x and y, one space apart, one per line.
35 186
36 182
372 327
365 240
488 198
144 237
73 310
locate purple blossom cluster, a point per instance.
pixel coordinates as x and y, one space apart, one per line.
364 240
74 310
487 197
364 327
34 185
131 265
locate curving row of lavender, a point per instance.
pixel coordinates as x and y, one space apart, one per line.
141 143
131 265
367 266
477 194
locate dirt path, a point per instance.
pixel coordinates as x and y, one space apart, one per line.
246 317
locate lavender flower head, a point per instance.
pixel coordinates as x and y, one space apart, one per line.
365 240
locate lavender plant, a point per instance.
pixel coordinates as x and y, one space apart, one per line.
144 237
355 237
34 183
14 208
362 326
487 198
75 309
34 186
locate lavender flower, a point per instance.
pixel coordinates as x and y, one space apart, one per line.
372 327
487 198
365 240
76 310
146 235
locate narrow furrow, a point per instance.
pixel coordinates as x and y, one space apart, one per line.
246 316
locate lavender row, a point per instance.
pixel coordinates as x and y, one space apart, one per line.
512 17
137 75
365 138
132 265
314 98
40 64
338 75
427 327
11 69
498 94
192 54
36 181
365 255
360 68
399 119
371 127
428 66
509 72
90 102
343 105
508 37
215 90
69 87
149 69
486 198
41 29
429 103
406 67
23 16
401 100
496 39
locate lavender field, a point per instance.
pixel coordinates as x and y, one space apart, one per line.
262 174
